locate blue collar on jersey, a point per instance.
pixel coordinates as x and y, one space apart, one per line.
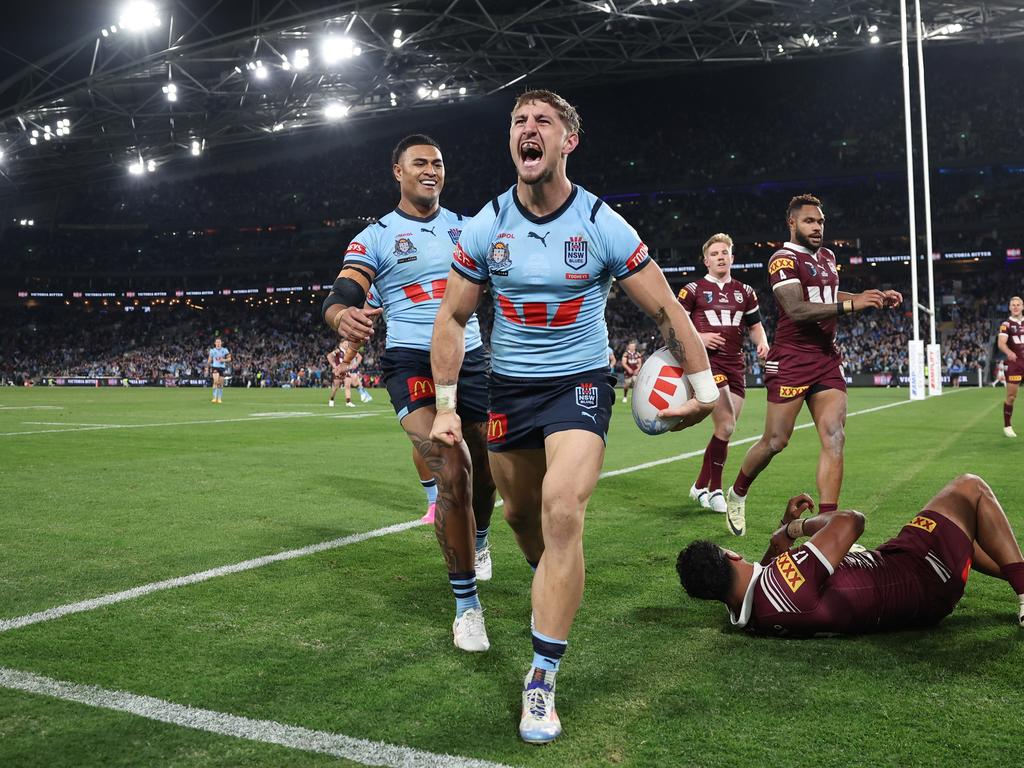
431 217
551 216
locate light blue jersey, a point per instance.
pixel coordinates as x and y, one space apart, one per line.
219 357
411 257
549 278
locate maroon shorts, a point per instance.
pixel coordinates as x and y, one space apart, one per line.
730 372
1015 371
792 373
937 554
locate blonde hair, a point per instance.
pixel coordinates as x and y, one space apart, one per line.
565 110
718 237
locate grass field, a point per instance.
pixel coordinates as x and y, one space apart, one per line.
105 490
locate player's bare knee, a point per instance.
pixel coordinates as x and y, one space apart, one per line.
777 443
563 525
835 439
971 485
724 430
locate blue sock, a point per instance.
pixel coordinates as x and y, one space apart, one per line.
464 589
481 538
430 488
533 565
547 651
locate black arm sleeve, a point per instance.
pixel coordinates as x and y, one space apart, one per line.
346 292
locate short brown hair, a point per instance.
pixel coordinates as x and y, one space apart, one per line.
566 111
718 237
800 201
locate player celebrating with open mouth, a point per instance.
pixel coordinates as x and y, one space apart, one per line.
551 391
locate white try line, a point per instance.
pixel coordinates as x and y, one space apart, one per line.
97 427
31 407
360 751
130 594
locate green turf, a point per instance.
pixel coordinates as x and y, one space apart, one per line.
357 640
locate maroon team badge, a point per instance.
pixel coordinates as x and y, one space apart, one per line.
738 295
576 252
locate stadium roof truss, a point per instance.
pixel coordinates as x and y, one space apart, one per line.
117 98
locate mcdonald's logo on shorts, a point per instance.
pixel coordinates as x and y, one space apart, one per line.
497 428
420 387
793 391
924 523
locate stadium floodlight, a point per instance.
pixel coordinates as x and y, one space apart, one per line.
873 28
138 16
260 72
60 130
47 136
300 60
35 134
397 34
435 93
33 141
105 32
136 169
334 48
875 40
1 155
335 110
171 92
197 147
422 92
462 91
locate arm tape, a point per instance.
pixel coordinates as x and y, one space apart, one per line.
345 291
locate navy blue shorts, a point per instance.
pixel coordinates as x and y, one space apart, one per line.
525 411
410 382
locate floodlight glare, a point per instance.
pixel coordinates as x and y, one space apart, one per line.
462 91
334 48
1 155
335 110
396 34
196 148
422 92
875 40
261 71
135 169
35 134
138 16
33 141
151 166
873 28
47 136
301 58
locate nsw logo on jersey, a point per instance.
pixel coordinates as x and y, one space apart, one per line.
499 258
404 247
586 396
576 252
454 233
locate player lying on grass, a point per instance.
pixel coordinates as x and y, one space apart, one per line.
912 580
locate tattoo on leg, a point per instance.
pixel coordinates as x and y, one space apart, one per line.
446 501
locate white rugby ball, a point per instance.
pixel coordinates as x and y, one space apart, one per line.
660 384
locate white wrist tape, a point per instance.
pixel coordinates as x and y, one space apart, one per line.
704 387
444 397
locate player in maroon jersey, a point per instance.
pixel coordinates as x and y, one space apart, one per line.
804 363
345 374
631 362
720 308
912 580
1011 344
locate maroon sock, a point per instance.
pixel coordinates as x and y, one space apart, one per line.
718 451
705 468
1007 414
827 508
742 484
1014 573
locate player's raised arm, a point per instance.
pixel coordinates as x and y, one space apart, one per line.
343 309
790 296
832 533
650 291
447 350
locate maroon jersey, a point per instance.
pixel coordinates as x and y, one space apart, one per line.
335 358
1013 330
632 361
912 580
817 275
721 307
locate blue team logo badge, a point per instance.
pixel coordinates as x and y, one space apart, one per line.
586 396
576 252
404 247
709 297
499 258
812 270
454 234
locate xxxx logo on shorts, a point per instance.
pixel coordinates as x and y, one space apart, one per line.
780 263
924 523
1015 378
790 573
721 378
420 387
793 391
497 427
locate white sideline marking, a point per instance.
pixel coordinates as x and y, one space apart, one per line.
283 413
117 597
31 407
360 751
69 424
246 565
292 415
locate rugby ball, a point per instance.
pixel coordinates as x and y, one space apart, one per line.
660 384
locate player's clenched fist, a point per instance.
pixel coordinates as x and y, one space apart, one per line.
356 324
447 428
796 506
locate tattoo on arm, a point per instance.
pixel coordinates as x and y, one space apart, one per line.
672 342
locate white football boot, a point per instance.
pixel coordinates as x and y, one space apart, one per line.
539 722
700 495
716 501
483 565
470 633
1008 431
736 513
